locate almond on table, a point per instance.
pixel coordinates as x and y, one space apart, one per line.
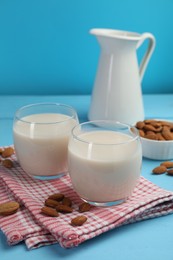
67 201
78 221
84 207
167 164
7 152
48 211
170 172
51 203
9 208
159 170
56 196
64 209
7 163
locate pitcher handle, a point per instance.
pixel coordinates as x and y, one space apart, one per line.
149 51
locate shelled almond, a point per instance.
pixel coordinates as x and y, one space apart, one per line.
164 167
48 211
5 154
7 163
84 207
9 208
159 169
167 164
79 220
155 129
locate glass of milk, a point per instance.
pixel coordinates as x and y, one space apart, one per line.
41 134
104 161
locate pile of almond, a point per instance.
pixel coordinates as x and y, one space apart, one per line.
5 155
57 203
155 129
164 167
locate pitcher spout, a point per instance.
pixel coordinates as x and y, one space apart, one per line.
117 34
110 39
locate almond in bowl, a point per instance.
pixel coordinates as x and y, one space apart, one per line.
156 138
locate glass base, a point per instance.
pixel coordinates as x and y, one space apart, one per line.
105 204
45 178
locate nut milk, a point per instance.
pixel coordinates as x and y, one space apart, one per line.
104 165
41 148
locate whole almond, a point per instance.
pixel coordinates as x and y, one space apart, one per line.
141 133
165 128
151 136
158 129
167 164
149 128
57 196
51 203
166 123
140 124
9 208
78 221
156 124
7 163
160 137
7 152
48 211
150 133
159 170
66 201
167 135
170 172
149 121
84 207
64 208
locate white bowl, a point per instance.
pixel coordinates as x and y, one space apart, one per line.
157 150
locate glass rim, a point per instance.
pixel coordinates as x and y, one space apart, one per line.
19 118
129 127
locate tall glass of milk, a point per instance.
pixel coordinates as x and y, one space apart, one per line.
41 134
104 160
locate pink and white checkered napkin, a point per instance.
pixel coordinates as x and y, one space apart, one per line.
28 224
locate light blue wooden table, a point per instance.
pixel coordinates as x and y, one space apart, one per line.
150 239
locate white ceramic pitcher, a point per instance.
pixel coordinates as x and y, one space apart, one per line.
117 92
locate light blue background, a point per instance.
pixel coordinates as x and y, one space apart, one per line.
45 47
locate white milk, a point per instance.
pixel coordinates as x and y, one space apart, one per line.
101 172
42 148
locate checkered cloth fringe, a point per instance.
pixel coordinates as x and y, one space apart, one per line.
29 225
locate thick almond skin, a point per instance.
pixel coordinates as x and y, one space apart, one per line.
170 172
159 170
48 211
64 208
51 203
57 196
7 152
78 221
167 164
9 208
167 135
7 163
66 201
84 207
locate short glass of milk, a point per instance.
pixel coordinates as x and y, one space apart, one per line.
41 134
104 161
